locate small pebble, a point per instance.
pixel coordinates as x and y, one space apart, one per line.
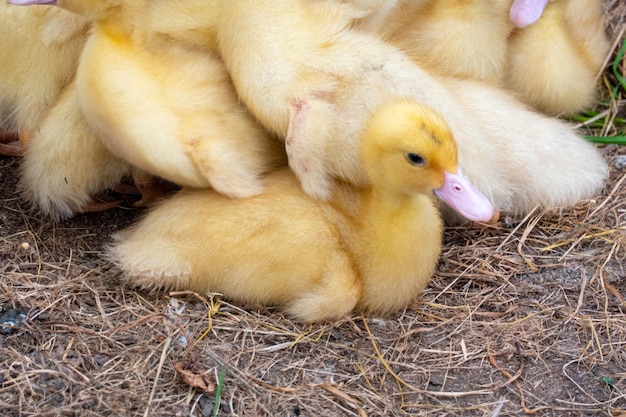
620 161
12 319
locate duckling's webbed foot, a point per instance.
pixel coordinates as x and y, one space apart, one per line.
102 202
10 144
151 189
305 144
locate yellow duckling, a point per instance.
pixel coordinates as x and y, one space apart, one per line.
65 164
312 79
554 60
163 104
40 49
459 38
556 41
373 248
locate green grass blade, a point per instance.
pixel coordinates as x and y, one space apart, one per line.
583 117
218 392
614 140
618 59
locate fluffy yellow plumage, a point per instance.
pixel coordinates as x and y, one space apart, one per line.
478 39
373 248
309 76
64 162
554 63
310 72
40 47
460 38
163 102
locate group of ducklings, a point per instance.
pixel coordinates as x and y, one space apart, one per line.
372 104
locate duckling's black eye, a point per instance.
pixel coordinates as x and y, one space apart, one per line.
416 159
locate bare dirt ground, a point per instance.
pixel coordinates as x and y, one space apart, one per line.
525 317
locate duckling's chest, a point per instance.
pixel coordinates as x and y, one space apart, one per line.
392 241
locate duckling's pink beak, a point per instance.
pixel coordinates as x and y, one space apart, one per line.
30 2
527 12
462 196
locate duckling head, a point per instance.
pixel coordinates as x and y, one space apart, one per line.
409 149
90 9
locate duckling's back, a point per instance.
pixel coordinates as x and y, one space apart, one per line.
452 37
279 247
